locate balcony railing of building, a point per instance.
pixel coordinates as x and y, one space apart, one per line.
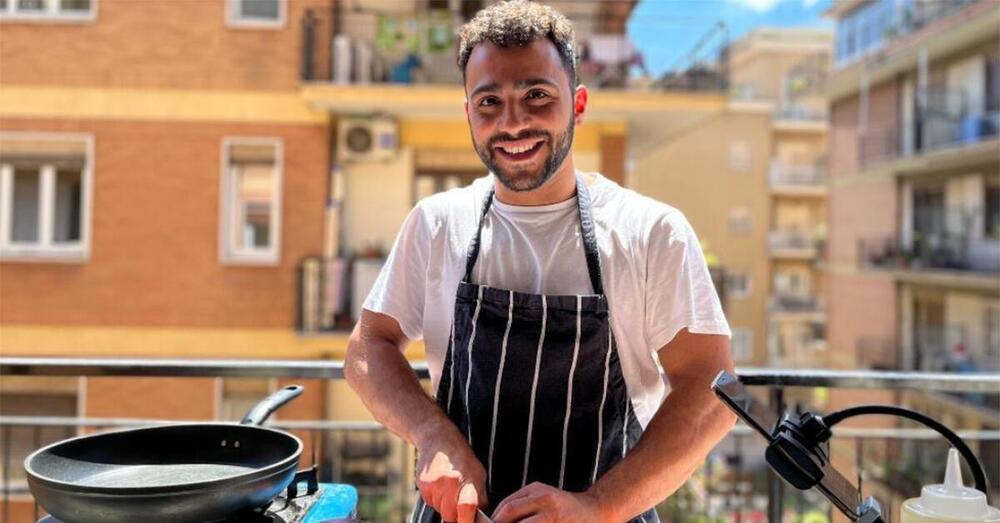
734 484
796 243
784 175
790 302
799 113
917 15
953 348
935 348
956 251
944 120
885 28
421 48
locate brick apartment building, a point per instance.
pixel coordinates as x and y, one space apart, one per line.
914 249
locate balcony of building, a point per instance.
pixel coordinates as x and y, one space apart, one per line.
798 179
789 306
733 483
794 244
392 58
946 137
944 259
937 349
880 40
800 117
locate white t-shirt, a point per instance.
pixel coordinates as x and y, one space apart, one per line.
654 273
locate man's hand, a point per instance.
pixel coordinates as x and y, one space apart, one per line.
541 503
451 479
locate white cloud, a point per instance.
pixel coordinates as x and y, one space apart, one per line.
761 6
809 3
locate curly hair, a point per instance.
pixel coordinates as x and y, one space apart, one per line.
519 22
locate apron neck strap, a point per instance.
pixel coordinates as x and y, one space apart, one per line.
586 228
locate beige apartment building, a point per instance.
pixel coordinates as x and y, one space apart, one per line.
914 249
752 181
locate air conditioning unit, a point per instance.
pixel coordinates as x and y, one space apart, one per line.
361 139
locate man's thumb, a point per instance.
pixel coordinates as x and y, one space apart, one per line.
468 503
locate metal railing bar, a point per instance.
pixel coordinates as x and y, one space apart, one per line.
740 430
334 369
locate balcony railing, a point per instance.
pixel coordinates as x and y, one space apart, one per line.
733 483
421 48
947 121
917 15
797 176
800 113
795 244
786 302
940 250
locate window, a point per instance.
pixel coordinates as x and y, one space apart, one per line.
739 155
992 206
251 200
70 10
928 211
739 221
738 285
45 185
742 344
256 13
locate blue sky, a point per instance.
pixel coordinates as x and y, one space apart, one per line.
666 30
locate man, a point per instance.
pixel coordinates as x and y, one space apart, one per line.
546 297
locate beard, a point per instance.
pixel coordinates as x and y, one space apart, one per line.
528 179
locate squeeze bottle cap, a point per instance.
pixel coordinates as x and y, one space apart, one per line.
952 499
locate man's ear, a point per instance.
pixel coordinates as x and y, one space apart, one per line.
580 97
465 105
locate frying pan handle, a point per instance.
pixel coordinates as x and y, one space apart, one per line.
259 413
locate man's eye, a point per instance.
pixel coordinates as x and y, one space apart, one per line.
538 95
488 101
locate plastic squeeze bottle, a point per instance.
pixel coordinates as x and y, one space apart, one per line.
949 502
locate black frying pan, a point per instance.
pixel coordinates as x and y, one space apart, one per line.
185 472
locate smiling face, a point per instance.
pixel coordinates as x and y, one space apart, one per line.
521 111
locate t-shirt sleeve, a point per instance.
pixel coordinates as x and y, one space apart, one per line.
679 288
400 287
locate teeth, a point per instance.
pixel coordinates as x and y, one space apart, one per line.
518 150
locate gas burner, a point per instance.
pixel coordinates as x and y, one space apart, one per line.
278 511
329 500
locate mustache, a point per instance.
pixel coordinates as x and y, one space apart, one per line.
504 137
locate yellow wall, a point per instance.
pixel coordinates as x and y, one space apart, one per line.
123 342
156 104
693 173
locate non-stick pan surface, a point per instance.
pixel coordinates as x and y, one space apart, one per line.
184 472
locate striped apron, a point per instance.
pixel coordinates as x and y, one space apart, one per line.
535 383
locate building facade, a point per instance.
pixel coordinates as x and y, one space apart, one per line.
222 179
914 252
751 179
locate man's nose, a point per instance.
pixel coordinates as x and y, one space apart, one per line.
514 120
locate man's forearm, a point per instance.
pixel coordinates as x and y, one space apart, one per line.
688 424
379 373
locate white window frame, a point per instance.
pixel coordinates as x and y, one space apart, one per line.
44 250
231 254
52 13
234 17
